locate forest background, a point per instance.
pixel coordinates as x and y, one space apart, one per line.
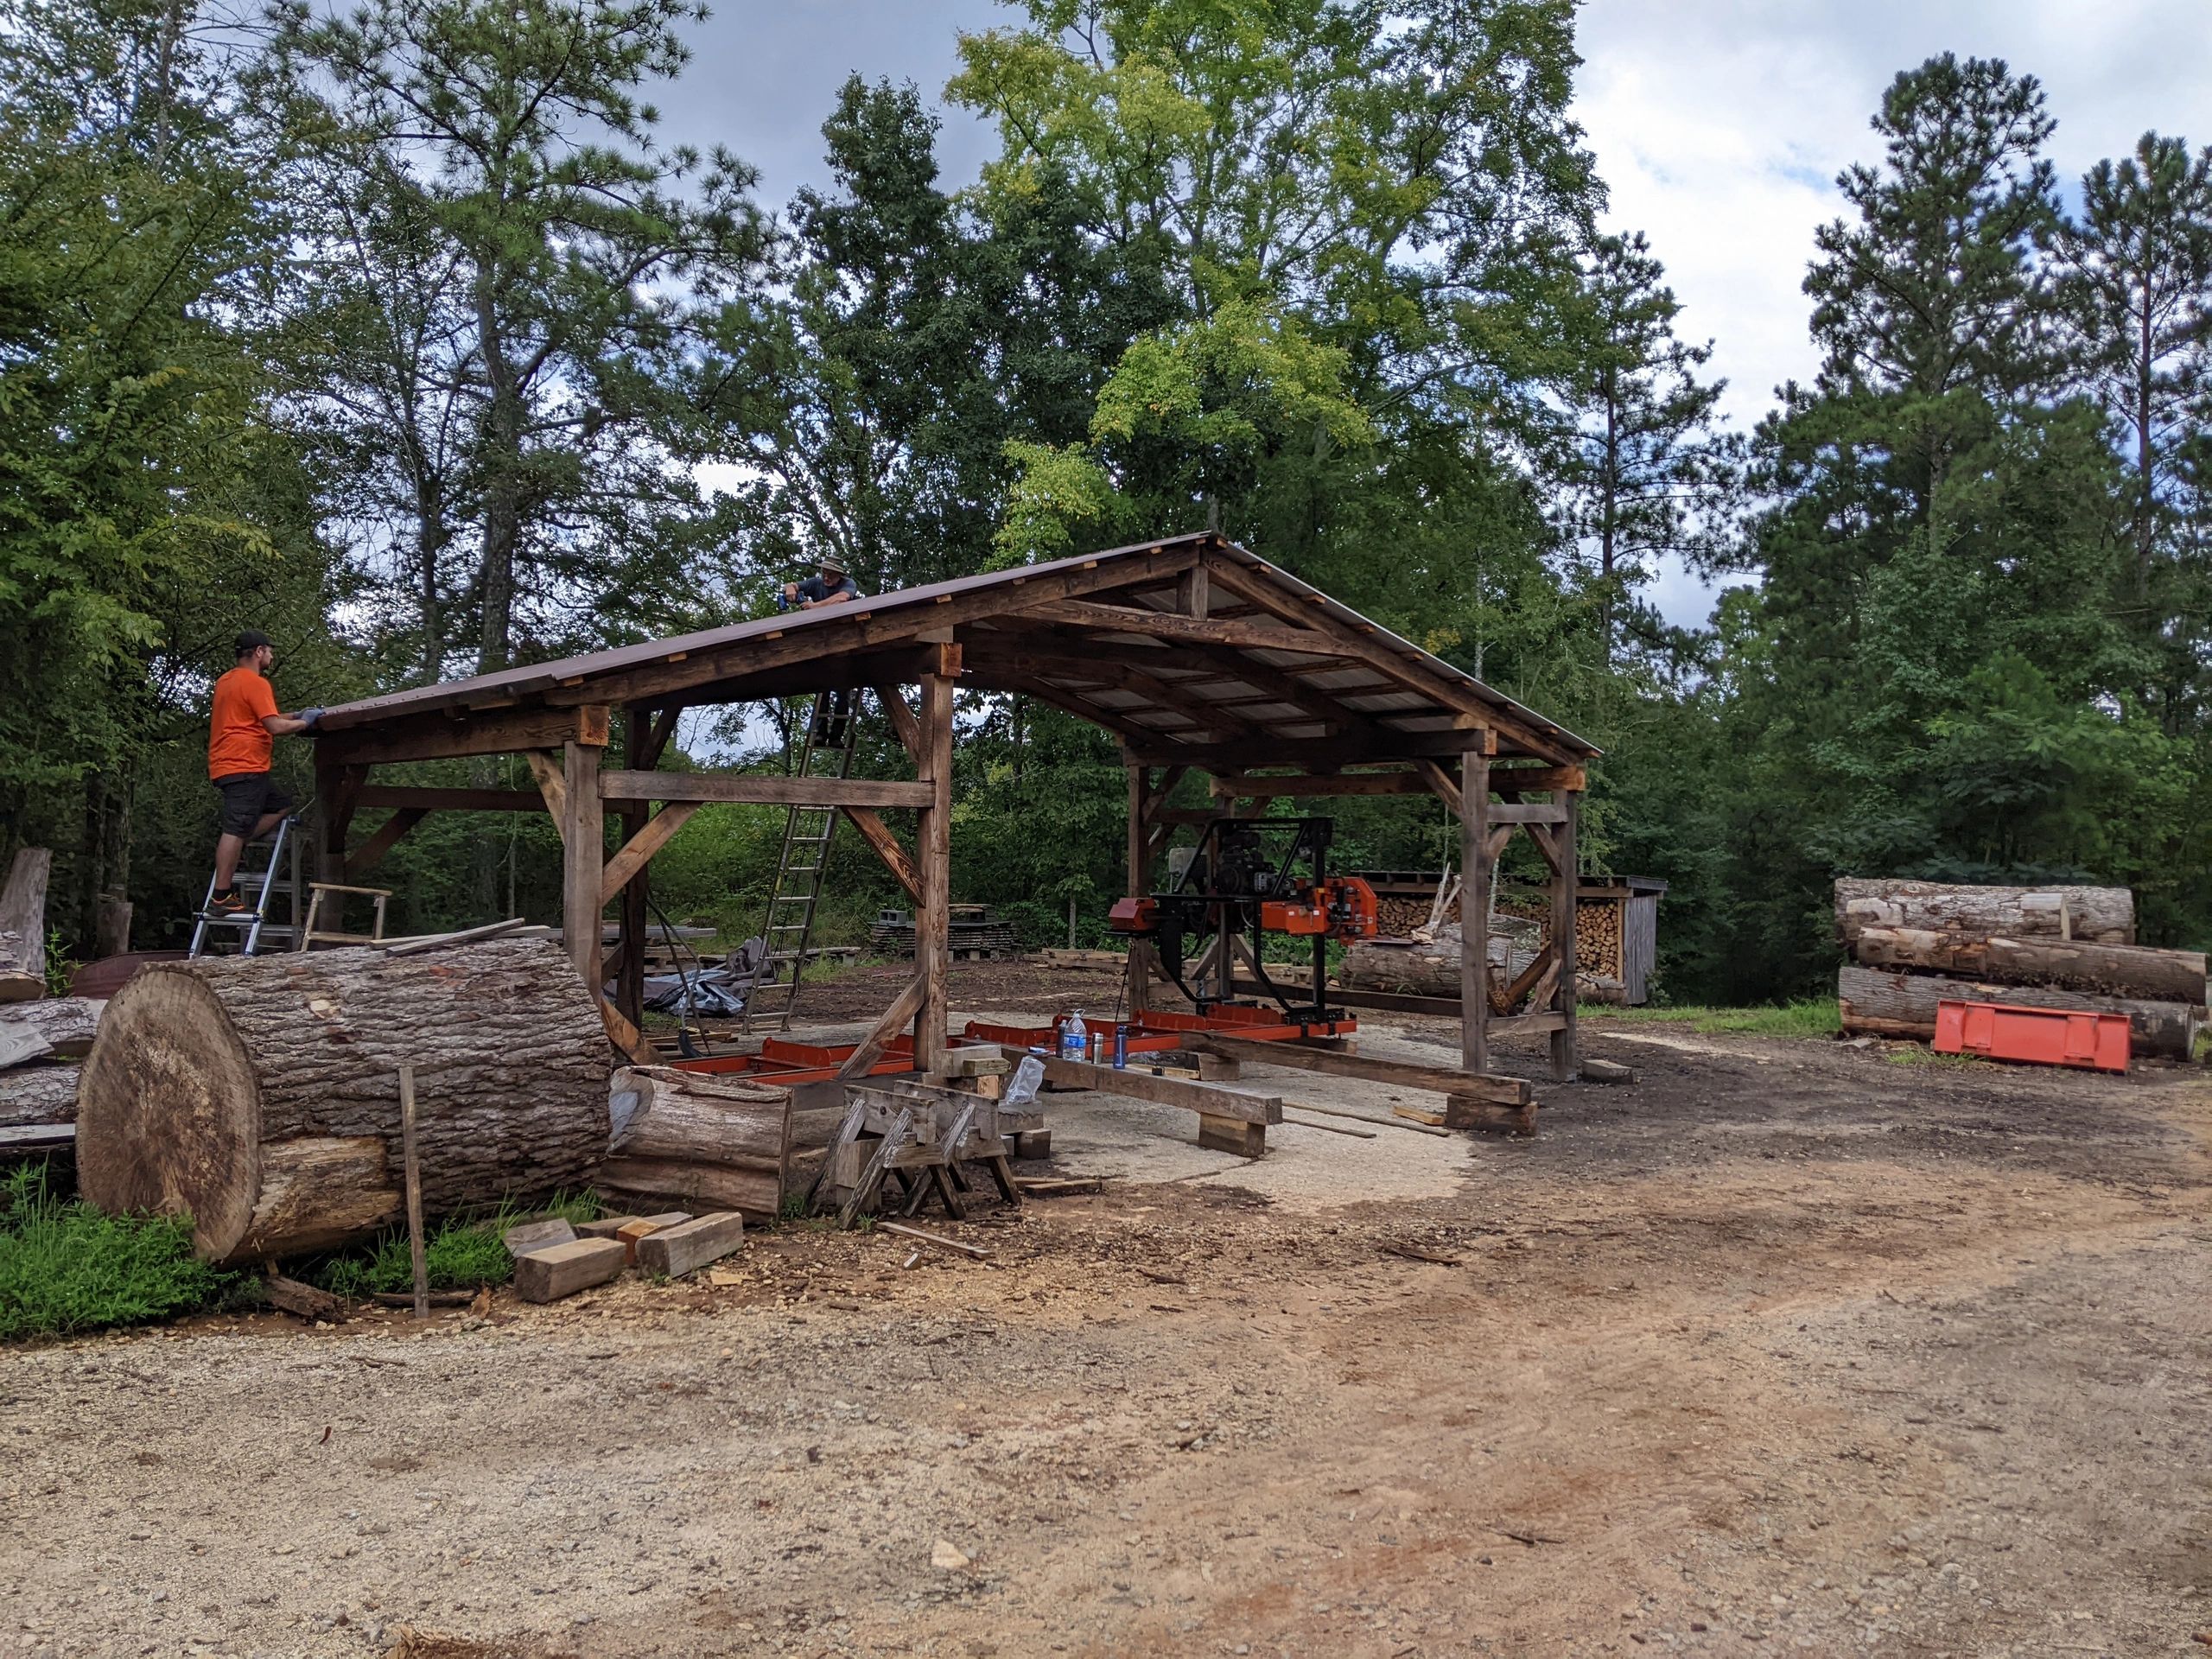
394 330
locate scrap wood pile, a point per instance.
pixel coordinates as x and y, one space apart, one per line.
1915 944
40 1037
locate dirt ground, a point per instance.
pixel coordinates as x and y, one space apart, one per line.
1790 1347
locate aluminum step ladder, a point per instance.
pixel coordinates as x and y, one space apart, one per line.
796 895
265 882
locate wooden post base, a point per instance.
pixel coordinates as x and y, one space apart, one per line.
1469 1112
1212 1068
1229 1134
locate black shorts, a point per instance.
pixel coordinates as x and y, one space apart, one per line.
249 797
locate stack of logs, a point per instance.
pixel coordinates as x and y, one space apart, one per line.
1914 945
40 1035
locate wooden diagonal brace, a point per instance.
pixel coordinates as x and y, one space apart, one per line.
888 848
639 849
889 1024
902 720
551 783
387 836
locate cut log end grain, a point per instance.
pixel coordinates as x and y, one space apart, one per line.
560 1270
261 1094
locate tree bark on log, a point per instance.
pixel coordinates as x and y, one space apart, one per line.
261 1093
704 1140
1887 1004
38 1094
23 926
1431 966
2091 915
65 1023
2094 970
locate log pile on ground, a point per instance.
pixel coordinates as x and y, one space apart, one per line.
698 1139
261 1093
1915 944
1431 966
23 926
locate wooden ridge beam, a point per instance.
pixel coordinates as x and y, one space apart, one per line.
1190 629
759 789
1246 787
1313 754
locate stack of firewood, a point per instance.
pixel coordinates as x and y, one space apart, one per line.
1914 945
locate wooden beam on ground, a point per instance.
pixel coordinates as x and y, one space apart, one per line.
878 834
638 851
372 851
439 736
1208 1099
933 861
888 1024
1436 1079
760 789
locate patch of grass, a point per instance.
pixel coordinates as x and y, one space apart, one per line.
1814 1016
462 1253
66 1267
1913 1054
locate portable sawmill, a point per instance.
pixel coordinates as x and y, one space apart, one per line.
1245 879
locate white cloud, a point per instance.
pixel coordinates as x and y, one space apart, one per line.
1721 128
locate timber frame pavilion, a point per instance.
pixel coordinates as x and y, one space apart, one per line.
1195 653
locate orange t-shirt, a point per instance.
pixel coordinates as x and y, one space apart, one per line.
237 741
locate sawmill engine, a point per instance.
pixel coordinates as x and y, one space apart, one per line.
1248 878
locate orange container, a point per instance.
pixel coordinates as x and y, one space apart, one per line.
2003 1031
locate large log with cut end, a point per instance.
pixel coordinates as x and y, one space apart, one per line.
261 1094
702 1139
1888 1004
2094 970
2093 915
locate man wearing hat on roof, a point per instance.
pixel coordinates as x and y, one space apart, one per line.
244 720
830 586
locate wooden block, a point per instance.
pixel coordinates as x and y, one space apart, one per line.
1213 1068
1471 1112
560 1270
1232 1135
1032 1143
536 1235
630 1232
688 1246
1422 1115
1595 1070
605 1227
975 1063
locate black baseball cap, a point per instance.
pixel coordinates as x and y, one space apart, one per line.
253 640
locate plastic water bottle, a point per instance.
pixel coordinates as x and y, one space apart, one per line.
1121 1048
1075 1038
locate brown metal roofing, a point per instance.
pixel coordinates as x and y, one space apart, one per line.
1354 686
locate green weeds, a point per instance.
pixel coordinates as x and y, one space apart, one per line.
1815 1016
462 1253
66 1267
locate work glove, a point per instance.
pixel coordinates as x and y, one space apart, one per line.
312 716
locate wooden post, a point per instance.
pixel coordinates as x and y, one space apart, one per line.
1474 912
410 1159
1563 884
933 855
583 854
335 786
630 985
1140 883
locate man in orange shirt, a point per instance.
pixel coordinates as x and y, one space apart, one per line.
238 750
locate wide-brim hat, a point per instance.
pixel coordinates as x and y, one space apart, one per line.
832 563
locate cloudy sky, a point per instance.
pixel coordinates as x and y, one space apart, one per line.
1718 125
